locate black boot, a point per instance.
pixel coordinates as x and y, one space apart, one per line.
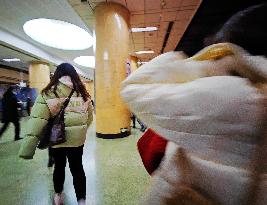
18 138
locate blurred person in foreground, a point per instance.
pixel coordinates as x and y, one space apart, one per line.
10 112
211 108
78 116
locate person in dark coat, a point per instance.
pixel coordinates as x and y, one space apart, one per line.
28 105
143 126
10 112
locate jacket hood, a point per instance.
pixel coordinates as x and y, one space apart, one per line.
197 102
215 60
66 80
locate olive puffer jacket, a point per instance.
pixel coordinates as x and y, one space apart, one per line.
78 116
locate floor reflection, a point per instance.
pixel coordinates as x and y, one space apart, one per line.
114 171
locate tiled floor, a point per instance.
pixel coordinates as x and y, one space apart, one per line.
114 171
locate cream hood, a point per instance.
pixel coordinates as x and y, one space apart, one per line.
195 103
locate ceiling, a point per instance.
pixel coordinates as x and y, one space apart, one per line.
14 13
210 16
182 24
164 14
172 18
7 51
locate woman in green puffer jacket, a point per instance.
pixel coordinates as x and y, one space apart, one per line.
78 116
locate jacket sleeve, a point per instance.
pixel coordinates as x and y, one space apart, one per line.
90 114
34 128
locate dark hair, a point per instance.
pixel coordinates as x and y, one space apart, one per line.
246 28
66 69
9 91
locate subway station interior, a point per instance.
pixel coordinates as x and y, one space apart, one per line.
106 41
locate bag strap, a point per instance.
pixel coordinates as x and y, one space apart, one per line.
66 102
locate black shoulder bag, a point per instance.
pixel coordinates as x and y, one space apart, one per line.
54 132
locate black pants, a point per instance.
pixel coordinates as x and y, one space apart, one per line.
133 119
143 126
74 155
17 128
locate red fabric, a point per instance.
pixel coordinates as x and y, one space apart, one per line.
151 147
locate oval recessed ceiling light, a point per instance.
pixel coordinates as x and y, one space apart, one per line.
86 61
58 34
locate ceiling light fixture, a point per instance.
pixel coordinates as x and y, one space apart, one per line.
11 59
58 34
144 52
141 62
86 61
145 29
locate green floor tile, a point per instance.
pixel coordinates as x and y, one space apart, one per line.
114 171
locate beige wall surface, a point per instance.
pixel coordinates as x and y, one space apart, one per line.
39 75
12 76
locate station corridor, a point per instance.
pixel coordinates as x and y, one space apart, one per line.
191 75
114 171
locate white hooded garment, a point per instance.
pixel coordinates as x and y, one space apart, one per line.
215 119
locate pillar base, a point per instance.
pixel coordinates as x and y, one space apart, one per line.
113 136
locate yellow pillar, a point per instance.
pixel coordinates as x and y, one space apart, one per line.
39 75
112 40
133 61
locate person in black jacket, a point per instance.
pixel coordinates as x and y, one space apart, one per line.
10 112
143 126
28 105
